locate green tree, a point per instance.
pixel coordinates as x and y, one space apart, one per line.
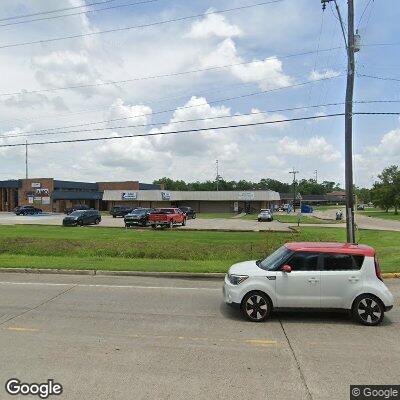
386 192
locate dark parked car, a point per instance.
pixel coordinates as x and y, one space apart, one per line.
139 216
82 217
27 210
190 213
120 211
77 207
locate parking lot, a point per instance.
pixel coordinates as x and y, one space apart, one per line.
147 338
196 224
229 224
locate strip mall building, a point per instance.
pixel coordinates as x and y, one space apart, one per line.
55 196
200 201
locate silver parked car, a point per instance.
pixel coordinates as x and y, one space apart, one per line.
265 215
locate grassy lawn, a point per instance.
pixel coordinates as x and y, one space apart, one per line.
380 214
305 219
327 208
120 249
215 215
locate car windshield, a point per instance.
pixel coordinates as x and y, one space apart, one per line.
76 214
275 259
138 212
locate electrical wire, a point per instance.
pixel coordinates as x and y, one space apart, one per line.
53 11
24 134
175 132
382 78
195 130
190 106
168 75
79 13
167 21
362 14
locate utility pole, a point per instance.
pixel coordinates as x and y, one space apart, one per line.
316 176
351 49
294 172
349 126
26 158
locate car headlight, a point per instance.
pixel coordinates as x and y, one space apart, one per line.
237 279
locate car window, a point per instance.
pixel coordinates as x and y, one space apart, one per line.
342 262
275 260
304 261
76 213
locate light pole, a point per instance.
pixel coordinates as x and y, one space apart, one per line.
294 172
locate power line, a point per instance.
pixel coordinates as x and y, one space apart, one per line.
178 95
177 131
24 134
382 78
194 130
78 13
53 11
362 14
188 107
168 75
138 26
39 133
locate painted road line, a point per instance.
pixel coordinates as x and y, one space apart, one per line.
109 286
20 329
252 342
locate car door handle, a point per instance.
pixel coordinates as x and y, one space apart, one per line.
313 280
353 279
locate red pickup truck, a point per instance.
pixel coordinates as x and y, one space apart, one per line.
167 217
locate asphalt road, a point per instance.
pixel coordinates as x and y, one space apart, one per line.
156 338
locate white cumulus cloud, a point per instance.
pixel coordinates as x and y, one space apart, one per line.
316 146
268 73
213 25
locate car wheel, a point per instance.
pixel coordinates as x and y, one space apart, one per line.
368 310
80 222
184 222
194 216
153 226
170 224
97 221
114 216
256 306
259 220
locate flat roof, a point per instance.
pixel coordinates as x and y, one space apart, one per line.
332 247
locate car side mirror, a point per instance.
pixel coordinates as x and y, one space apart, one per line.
287 268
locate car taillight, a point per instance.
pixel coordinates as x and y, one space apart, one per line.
378 271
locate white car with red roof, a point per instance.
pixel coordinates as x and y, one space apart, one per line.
311 276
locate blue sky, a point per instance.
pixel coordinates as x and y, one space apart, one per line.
249 35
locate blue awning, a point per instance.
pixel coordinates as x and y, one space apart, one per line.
76 195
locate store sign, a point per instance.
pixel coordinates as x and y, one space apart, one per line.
166 196
246 196
30 199
45 200
37 200
129 196
36 184
42 192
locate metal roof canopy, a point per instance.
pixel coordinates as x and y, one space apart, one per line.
168 195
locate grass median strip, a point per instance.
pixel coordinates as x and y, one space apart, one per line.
27 246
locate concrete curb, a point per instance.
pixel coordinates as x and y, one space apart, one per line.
179 275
